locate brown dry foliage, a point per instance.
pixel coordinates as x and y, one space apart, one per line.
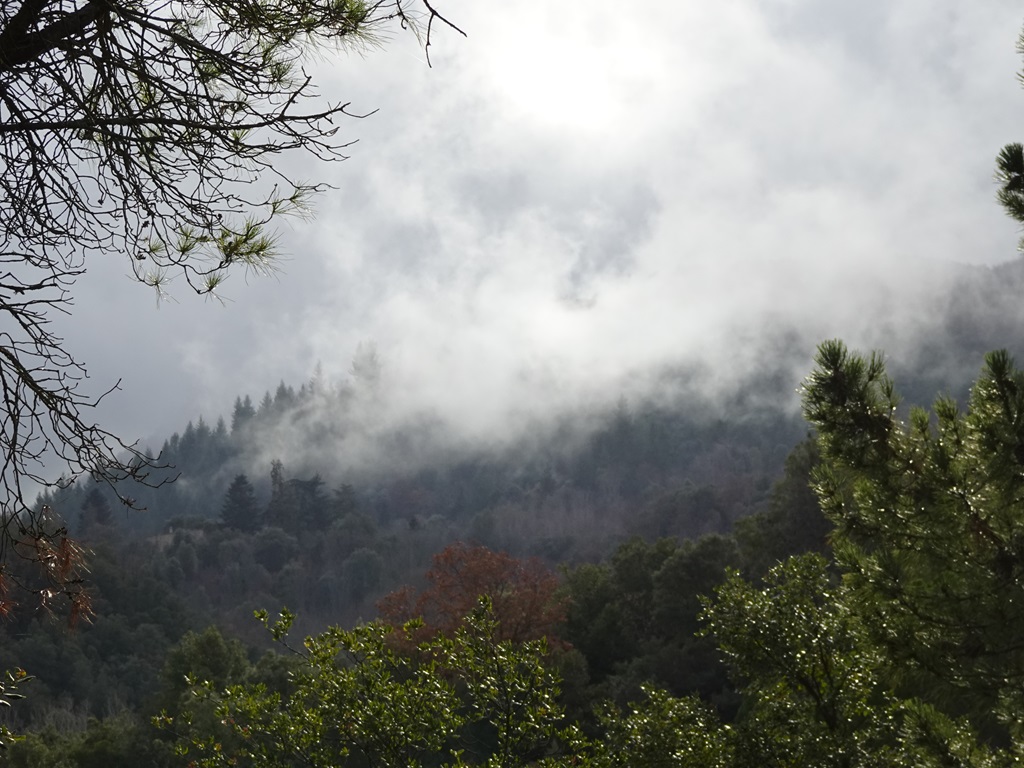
523 594
49 567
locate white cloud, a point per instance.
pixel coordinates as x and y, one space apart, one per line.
584 191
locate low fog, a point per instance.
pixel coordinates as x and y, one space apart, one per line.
578 204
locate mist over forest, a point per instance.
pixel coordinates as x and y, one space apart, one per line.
684 451
638 391
321 497
364 424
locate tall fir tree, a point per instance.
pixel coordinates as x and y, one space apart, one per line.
241 509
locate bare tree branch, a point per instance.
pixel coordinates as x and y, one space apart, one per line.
153 129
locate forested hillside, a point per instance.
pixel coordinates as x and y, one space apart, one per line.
242 527
695 438
633 512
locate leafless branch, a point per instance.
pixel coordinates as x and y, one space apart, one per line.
153 129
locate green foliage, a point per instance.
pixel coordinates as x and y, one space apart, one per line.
809 676
792 524
273 548
355 700
104 666
240 509
119 741
361 572
907 653
8 695
204 658
817 689
662 732
836 664
1010 172
1010 175
95 510
930 525
634 618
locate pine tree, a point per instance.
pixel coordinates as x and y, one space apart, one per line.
240 509
95 510
278 508
242 414
929 520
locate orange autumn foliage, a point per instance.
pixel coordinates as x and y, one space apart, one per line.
522 593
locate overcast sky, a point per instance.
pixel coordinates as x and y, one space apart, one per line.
584 191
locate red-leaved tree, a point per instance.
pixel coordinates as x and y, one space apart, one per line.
522 592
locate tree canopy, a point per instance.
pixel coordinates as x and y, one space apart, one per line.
467 699
930 529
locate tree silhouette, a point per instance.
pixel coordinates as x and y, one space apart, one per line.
240 509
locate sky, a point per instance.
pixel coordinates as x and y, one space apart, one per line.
579 195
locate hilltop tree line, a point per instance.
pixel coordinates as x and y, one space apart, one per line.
328 542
